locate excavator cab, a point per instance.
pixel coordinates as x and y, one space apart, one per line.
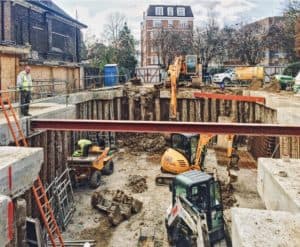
204 195
181 157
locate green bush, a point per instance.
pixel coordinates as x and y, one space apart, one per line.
292 69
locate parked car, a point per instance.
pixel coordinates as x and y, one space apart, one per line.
227 77
240 74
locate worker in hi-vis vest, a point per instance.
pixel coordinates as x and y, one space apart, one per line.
24 84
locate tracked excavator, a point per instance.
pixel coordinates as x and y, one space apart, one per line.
184 68
188 152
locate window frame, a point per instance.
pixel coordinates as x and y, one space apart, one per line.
170 11
159 11
179 13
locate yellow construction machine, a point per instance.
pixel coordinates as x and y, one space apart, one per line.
187 153
184 68
89 163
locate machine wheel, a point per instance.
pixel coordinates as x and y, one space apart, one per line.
108 168
226 81
95 179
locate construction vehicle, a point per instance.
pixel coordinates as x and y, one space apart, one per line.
240 74
195 217
183 69
187 153
91 166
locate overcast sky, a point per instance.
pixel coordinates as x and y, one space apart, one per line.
94 12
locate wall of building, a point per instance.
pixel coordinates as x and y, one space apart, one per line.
41 74
297 45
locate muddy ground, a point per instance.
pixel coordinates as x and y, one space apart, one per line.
88 223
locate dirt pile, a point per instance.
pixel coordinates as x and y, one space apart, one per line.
137 183
255 85
101 234
246 160
228 198
117 205
138 142
273 86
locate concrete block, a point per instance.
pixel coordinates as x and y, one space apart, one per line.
19 168
6 220
278 184
263 228
223 139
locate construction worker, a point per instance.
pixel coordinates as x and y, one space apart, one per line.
83 145
24 84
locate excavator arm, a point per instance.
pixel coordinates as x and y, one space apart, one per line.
203 141
174 73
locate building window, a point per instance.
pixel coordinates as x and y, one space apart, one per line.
155 60
157 23
181 11
184 24
170 23
159 11
170 11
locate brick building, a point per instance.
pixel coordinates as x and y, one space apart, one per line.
297 38
177 18
40 33
275 56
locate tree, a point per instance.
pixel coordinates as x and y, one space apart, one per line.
288 30
169 42
250 43
126 50
208 43
113 27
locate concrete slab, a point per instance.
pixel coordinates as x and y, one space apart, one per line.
6 220
278 184
19 168
263 228
39 110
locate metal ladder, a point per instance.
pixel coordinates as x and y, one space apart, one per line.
47 213
38 187
8 112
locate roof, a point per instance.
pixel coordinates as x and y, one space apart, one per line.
193 177
52 7
188 10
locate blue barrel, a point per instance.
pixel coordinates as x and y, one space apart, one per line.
111 73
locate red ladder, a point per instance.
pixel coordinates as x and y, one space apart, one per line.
8 112
47 213
38 187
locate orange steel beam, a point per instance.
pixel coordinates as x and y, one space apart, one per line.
230 97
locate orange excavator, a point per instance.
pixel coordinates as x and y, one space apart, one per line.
187 152
184 68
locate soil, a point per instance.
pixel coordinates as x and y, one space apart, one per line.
273 86
246 160
89 223
137 183
139 142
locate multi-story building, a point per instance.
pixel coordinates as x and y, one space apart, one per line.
177 18
39 33
273 56
297 38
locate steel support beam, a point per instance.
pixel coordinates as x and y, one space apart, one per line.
230 97
166 127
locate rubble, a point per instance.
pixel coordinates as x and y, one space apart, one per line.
137 183
138 142
116 204
228 197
